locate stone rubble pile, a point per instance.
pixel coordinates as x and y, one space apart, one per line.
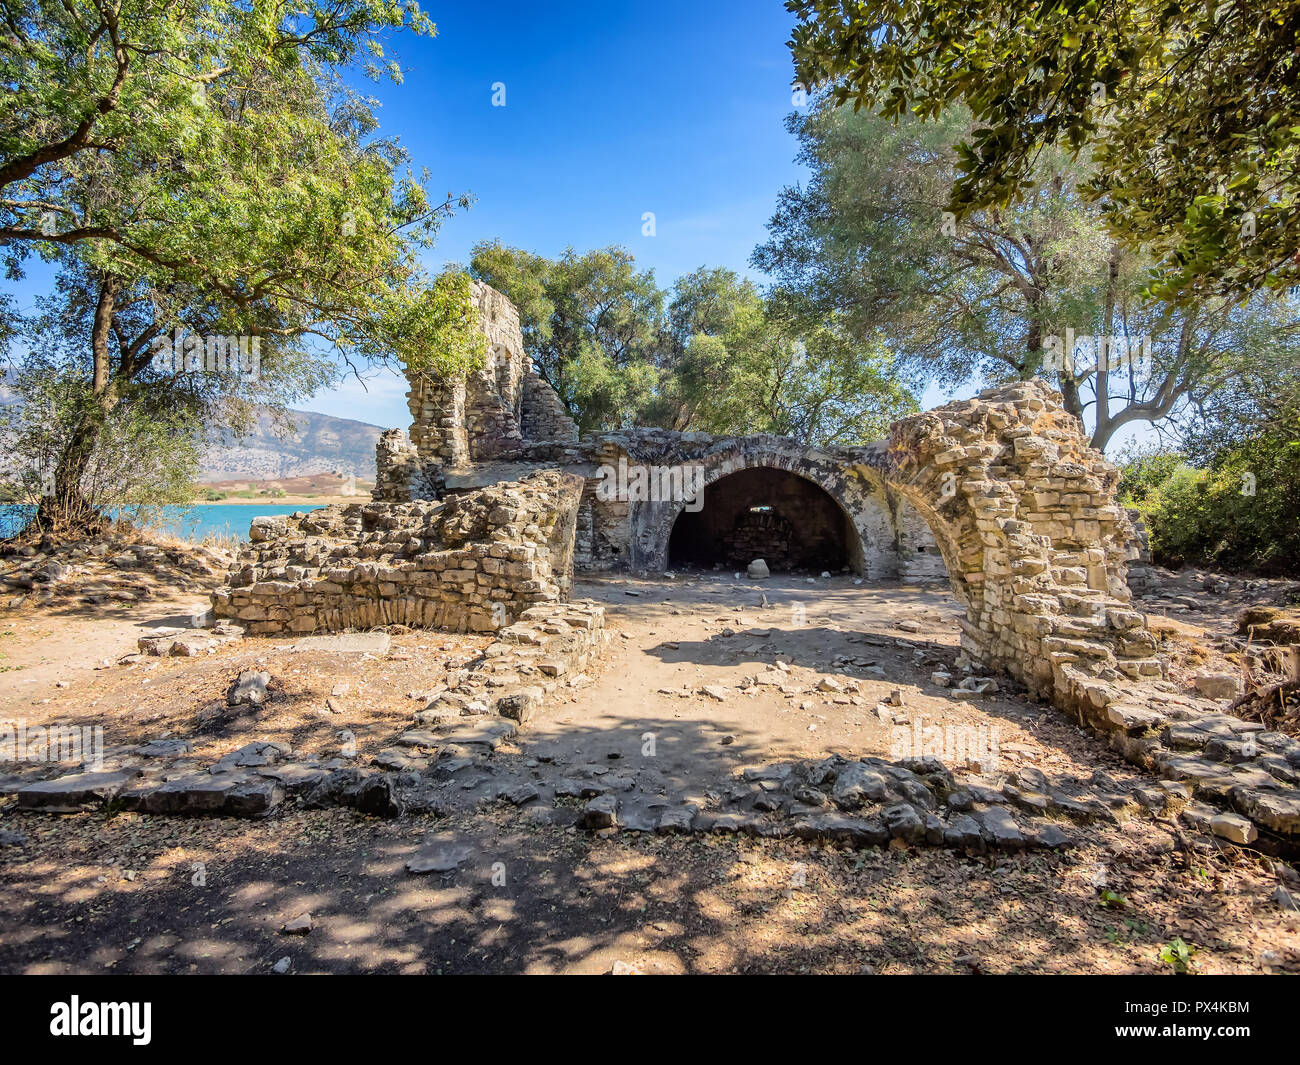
541 654
109 569
471 562
1232 767
871 802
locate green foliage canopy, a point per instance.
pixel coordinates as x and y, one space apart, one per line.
199 164
867 238
1231 496
1191 112
208 145
709 354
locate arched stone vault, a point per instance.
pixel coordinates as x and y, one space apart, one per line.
1024 512
652 522
1021 510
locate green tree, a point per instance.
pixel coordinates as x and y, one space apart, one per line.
204 159
868 238
775 370
1145 470
591 323
1191 112
1231 496
711 354
145 455
704 307
162 86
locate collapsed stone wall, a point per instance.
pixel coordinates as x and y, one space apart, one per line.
400 476
459 420
1024 514
483 416
1002 492
470 562
543 418
1002 488
475 525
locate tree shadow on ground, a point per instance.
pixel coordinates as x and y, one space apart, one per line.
536 899
1010 703
534 894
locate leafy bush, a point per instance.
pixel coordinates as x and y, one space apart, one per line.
1241 511
1144 472
143 457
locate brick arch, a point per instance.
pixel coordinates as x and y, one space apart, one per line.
1025 514
847 485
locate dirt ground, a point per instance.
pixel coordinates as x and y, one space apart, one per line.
117 891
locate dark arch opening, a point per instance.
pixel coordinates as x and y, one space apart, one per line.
791 523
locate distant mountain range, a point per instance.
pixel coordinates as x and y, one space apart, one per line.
321 444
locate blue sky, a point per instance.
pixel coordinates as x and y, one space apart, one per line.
611 110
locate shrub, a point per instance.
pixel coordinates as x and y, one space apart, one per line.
143 458
1242 511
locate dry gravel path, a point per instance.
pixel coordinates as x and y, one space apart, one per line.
100 892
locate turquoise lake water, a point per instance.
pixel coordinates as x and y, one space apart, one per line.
190 523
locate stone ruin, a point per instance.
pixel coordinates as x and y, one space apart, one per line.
482 511
486 506
470 562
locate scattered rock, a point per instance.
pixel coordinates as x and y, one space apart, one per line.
1218 685
68 794
1234 828
600 812
249 689
169 748
443 856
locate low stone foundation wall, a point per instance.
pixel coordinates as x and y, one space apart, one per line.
472 562
540 652
1243 778
538 657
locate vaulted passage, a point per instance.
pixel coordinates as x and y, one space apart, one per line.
766 513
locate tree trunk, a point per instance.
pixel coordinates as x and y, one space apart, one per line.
1105 428
1072 400
64 509
1033 356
